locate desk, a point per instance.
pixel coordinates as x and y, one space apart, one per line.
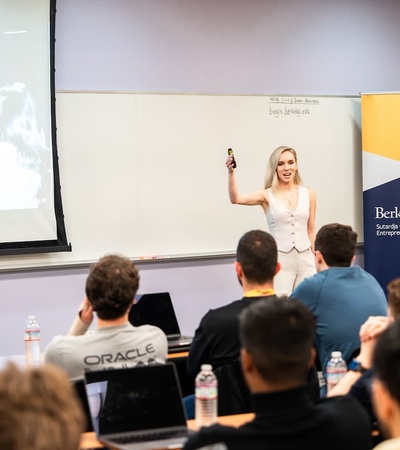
89 439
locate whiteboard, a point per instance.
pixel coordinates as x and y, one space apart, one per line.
145 175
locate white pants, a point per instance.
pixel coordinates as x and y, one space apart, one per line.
295 266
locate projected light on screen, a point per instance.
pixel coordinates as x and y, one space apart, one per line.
24 155
31 217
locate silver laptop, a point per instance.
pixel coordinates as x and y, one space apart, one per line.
157 309
137 408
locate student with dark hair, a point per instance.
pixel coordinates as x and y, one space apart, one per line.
341 296
216 340
277 352
110 291
386 386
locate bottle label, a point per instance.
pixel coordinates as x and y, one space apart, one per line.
32 335
334 375
206 392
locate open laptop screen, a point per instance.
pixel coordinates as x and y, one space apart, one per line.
155 309
135 399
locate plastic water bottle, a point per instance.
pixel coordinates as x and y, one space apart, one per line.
32 342
336 369
206 393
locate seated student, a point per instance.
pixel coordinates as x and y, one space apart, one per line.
38 410
216 340
357 381
340 296
386 386
110 289
277 351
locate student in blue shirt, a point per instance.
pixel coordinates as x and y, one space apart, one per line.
340 295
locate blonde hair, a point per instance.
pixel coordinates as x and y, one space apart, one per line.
38 409
271 179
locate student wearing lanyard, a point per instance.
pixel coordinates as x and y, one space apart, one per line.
216 339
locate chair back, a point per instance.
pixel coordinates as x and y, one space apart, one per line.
80 390
233 393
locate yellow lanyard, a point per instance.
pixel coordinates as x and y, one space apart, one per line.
259 292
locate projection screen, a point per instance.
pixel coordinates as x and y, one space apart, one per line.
31 214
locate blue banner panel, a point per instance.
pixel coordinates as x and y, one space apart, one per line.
382 232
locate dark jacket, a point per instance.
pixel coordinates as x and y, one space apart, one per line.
288 420
216 340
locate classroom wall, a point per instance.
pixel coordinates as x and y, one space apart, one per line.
212 46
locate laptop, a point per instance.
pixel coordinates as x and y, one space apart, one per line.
137 408
157 309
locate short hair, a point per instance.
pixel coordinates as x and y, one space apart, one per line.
386 359
38 409
393 296
279 335
112 285
337 243
257 253
271 179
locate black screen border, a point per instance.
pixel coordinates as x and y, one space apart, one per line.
60 244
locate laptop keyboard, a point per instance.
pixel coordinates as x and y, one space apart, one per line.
151 436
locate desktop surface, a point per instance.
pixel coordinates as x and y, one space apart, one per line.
89 441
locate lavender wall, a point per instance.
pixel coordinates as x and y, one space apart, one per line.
228 46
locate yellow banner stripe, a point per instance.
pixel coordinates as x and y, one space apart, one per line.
380 124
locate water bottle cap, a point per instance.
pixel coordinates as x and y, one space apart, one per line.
206 367
31 317
336 354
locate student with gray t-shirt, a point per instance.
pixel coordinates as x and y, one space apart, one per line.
110 290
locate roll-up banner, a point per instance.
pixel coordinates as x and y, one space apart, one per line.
380 125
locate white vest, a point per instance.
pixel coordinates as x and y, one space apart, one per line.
289 226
